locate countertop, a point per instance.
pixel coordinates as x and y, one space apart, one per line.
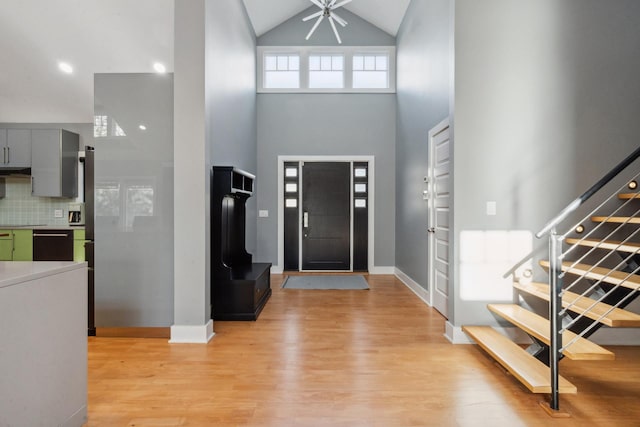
14 272
41 227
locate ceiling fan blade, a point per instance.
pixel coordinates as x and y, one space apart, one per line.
331 3
315 26
318 3
342 3
335 31
338 19
315 15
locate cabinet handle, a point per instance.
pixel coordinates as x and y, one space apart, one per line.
4 154
8 154
51 235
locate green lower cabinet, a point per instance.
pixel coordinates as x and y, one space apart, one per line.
6 245
23 245
16 245
78 245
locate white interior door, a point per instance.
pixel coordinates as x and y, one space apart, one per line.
439 199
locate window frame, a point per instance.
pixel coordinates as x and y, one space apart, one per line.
347 52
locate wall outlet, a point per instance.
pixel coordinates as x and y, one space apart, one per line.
57 213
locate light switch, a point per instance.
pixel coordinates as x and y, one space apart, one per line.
491 208
263 213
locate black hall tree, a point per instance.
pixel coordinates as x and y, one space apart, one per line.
239 287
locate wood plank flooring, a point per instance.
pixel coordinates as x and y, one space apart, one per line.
340 358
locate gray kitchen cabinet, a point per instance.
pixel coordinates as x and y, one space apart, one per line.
54 163
16 148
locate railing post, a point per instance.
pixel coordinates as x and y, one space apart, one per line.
555 305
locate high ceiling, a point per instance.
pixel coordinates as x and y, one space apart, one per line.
110 36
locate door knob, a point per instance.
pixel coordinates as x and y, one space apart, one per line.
431 230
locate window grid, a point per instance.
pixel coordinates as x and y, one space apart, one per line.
315 69
281 71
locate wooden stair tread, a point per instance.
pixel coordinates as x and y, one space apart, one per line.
527 369
612 245
616 318
617 219
598 273
538 326
627 196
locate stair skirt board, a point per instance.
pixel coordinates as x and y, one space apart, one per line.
532 373
538 327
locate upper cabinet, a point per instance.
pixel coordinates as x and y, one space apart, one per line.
16 148
54 163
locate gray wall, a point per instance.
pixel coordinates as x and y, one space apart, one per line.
231 95
215 124
358 32
352 124
423 93
134 246
546 101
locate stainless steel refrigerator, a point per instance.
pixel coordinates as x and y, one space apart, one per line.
89 209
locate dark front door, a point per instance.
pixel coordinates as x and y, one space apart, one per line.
326 216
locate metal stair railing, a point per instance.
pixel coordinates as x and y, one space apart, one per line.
557 275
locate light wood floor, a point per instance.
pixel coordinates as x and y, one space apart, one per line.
340 358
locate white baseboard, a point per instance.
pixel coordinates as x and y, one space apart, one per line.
192 334
379 270
456 336
421 292
276 269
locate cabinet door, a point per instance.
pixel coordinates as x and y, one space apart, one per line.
46 162
22 245
18 150
6 245
78 246
3 145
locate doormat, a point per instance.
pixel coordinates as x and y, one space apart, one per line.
326 281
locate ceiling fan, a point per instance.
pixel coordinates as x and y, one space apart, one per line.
327 8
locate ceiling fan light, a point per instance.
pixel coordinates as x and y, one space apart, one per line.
338 19
313 29
342 3
335 31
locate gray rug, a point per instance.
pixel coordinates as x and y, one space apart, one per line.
326 281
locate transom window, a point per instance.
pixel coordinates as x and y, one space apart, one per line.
310 69
370 71
281 71
326 71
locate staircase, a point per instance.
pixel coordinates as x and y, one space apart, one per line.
594 273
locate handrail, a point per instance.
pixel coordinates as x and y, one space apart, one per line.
587 194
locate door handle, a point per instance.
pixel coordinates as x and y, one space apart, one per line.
431 230
305 219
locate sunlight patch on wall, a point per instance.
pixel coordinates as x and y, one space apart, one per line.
485 256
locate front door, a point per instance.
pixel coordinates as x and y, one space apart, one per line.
439 206
326 216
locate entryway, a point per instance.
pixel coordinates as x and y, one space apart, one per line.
325 206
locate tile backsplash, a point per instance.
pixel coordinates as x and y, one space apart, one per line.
19 208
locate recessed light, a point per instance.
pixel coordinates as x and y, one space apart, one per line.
160 68
65 67
142 127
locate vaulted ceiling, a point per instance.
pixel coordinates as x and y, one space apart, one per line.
110 36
